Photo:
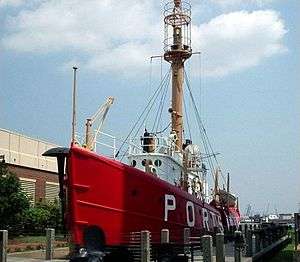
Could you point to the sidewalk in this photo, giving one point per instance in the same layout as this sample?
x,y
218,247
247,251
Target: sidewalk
x,y
37,256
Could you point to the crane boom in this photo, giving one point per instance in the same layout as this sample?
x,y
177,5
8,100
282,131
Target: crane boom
x,y
100,115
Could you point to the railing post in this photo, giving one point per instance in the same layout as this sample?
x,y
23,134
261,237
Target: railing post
x,y
238,243
253,244
3,245
249,244
145,246
207,248
220,249
165,236
50,237
186,240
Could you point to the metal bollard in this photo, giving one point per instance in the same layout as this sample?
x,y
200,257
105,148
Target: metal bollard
x,y
145,246
238,246
165,236
50,237
220,248
186,240
207,248
253,245
3,245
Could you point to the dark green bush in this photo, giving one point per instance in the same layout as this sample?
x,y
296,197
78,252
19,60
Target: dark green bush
x,y
16,214
13,202
41,216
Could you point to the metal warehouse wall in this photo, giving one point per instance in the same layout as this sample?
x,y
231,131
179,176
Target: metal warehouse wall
x,y
25,151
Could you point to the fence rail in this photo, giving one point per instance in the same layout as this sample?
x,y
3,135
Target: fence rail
x,y
140,247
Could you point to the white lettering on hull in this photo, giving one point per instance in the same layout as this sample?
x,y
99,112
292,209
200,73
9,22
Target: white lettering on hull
x,y
205,219
170,205
210,220
190,209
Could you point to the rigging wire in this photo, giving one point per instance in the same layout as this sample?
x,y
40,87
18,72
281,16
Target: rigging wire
x,y
162,131
206,141
150,103
166,80
187,119
158,116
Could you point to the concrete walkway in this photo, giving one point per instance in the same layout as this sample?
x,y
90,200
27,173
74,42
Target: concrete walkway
x,y
38,255
22,259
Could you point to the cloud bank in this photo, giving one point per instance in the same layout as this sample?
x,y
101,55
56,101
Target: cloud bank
x,y
114,36
239,40
231,3
5,3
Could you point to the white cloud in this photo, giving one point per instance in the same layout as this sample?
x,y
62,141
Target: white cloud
x,y
232,3
11,2
116,36
239,40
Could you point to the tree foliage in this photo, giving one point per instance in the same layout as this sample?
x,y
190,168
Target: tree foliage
x,y
13,202
41,216
16,213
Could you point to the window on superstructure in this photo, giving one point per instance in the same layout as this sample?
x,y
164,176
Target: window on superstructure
x,y
157,162
133,163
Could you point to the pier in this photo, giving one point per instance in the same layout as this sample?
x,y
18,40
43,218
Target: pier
x,y
248,245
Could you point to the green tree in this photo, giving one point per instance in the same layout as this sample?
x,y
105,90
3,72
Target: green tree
x,y
13,202
41,216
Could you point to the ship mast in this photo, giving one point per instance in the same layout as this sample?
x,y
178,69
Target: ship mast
x,y
177,48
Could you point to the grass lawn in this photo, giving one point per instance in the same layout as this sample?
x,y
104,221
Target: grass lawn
x,y
286,254
28,239
27,243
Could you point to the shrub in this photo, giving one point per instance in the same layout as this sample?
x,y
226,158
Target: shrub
x,y
13,202
41,216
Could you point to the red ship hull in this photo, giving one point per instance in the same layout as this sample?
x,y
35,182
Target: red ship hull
x,y
119,200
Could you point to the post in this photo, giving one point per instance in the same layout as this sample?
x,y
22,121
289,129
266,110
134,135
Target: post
x,y
50,236
253,245
145,246
220,249
238,244
165,236
249,244
3,245
207,248
186,239
74,105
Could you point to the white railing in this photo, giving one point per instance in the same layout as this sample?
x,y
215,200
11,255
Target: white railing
x,y
159,145
105,145
110,144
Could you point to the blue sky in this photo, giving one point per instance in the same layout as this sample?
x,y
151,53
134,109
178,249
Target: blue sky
x,y
249,81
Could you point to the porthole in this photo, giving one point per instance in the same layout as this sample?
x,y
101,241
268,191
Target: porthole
x,y
157,162
133,163
144,162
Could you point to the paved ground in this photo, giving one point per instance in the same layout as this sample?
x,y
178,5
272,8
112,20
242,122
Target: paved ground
x,y
22,259
37,256
60,253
